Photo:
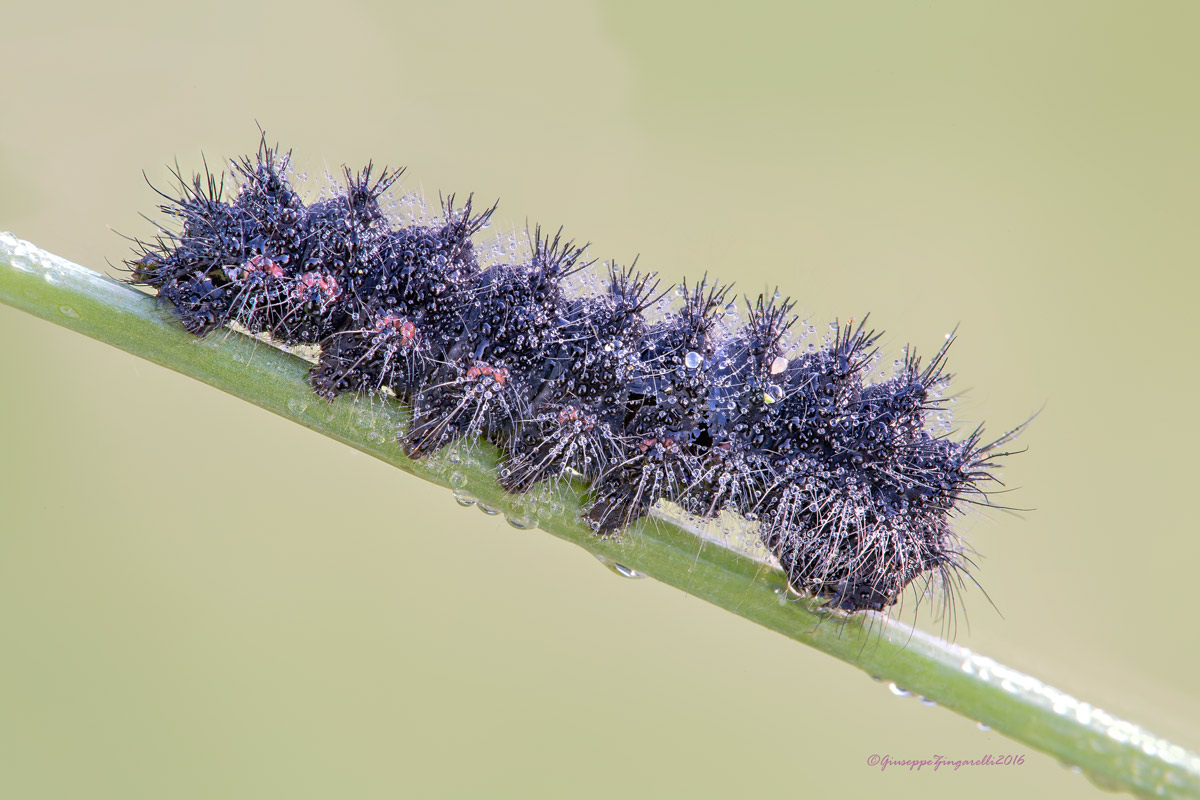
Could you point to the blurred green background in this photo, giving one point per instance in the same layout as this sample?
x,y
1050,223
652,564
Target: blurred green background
x,y
198,599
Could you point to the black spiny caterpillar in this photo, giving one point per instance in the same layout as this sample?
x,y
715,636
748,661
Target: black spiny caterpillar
x,y
852,492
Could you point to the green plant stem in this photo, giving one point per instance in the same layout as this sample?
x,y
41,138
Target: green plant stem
x,y
1113,753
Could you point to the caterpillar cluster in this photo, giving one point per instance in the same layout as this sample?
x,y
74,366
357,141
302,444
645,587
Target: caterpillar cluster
x,y
851,491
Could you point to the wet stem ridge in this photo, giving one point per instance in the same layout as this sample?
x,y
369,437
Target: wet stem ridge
x,y
1113,753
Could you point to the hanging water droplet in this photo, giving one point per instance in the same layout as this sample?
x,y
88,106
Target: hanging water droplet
x,y
983,727
463,499
896,690
491,512
620,569
1107,783
626,572
521,523
693,360
925,701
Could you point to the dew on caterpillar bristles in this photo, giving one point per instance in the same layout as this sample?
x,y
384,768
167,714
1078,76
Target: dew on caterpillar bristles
x,y
685,400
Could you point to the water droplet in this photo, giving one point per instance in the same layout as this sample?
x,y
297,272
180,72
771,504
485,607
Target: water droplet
x,y
489,510
626,572
69,312
772,394
693,360
925,701
454,455
620,569
457,480
983,727
1105,782
463,499
296,406
779,365
521,523
896,690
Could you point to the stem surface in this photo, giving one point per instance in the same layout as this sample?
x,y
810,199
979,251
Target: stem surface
x,y
1113,753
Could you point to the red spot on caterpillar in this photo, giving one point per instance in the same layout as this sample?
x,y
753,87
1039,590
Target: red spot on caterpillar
x,y
326,284
498,374
261,263
404,327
